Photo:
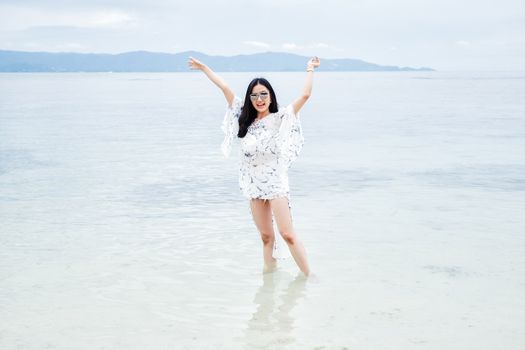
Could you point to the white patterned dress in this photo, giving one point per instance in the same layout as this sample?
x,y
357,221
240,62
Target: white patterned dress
x,y
266,152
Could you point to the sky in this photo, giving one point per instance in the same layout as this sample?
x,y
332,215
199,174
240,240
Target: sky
x,y
445,35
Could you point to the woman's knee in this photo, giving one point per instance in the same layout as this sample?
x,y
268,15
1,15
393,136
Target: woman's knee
x,y
267,237
288,236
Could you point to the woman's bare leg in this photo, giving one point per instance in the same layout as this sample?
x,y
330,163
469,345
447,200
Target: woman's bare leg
x,y
283,217
262,216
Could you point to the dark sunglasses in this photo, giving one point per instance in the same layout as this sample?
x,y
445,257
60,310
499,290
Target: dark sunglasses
x,y
263,95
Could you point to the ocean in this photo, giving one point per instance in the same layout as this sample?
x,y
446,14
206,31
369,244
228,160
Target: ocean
x,y
122,225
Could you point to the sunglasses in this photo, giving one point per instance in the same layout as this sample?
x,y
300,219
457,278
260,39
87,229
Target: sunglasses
x,y
263,95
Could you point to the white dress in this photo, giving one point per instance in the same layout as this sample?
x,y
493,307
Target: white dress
x,y
266,152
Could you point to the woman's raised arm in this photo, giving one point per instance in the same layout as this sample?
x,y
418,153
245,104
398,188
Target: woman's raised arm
x,y
307,91
228,93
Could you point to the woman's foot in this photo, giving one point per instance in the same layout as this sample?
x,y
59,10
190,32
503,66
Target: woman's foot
x,y
271,267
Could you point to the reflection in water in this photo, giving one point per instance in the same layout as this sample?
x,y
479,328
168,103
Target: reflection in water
x,y
271,324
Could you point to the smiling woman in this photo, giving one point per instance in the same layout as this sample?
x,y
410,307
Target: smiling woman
x,y
271,139
260,101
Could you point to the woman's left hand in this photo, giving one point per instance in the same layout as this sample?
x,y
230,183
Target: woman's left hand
x,y
314,62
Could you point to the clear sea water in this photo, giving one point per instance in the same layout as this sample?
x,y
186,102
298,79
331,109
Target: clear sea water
x,y
122,227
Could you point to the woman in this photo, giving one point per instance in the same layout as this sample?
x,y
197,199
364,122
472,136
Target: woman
x,y
270,139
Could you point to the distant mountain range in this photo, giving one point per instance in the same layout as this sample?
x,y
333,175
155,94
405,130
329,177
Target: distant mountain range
x,y
144,61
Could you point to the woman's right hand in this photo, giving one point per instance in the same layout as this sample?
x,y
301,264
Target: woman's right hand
x,y
195,64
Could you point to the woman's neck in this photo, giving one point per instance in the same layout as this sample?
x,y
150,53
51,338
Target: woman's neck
x,y
261,115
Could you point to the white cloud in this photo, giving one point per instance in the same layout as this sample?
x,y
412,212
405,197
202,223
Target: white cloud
x,y
291,46
22,18
320,46
256,43
462,43
108,19
71,46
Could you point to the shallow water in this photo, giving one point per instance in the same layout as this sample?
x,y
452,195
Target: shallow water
x,y
122,227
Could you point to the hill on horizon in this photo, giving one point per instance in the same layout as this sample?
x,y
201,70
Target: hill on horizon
x,y
145,61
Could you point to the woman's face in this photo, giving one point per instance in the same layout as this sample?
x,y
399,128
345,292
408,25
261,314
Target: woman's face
x,y
260,98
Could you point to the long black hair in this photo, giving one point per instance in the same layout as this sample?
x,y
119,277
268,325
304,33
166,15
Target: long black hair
x,y
249,113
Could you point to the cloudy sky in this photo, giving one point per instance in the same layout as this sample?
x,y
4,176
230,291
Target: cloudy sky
x,y
443,34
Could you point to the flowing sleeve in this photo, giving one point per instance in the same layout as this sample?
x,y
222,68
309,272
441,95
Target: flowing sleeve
x,y
230,125
291,137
